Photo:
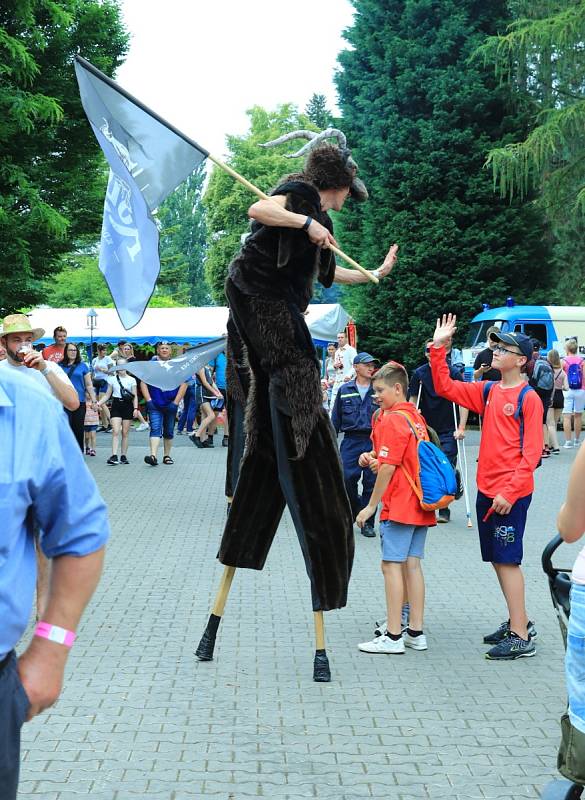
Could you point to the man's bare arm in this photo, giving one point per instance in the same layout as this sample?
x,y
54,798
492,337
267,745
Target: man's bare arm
x,y
353,276
274,214
571,519
42,665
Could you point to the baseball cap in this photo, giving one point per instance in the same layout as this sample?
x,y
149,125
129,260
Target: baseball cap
x,y
519,340
364,358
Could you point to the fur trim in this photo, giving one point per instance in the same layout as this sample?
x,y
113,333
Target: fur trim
x,y
289,359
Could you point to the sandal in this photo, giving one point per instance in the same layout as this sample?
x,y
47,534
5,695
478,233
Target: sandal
x,y
150,460
168,460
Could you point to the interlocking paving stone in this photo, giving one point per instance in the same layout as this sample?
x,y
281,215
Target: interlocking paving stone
x,y
141,717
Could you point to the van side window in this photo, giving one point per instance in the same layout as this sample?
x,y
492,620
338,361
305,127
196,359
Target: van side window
x,y
536,330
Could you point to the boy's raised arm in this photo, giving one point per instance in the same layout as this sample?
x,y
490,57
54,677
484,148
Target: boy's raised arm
x,y
469,395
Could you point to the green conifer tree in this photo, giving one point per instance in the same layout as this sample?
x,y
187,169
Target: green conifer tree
x,y
318,112
420,116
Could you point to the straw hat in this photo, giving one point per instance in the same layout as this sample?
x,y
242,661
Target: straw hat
x,y
20,323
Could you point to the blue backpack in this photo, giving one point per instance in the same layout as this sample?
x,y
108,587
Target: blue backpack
x,y
435,483
518,415
575,375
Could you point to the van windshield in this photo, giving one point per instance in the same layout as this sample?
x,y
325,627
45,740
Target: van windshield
x,y
477,333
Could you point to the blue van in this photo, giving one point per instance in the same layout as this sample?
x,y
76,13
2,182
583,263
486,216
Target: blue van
x,y
551,325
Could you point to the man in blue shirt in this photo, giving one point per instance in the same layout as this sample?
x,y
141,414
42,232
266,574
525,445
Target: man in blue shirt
x,y
162,408
352,414
44,483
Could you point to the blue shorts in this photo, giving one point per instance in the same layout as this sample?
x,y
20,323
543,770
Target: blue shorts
x,y
575,658
399,541
162,422
500,537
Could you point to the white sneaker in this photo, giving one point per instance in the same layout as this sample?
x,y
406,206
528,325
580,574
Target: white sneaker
x,y
383,644
381,627
144,426
567,445
416,642
576,442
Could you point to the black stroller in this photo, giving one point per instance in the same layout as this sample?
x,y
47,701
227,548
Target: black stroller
x,y
559,581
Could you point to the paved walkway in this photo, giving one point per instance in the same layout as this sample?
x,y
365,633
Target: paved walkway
x,y
140,717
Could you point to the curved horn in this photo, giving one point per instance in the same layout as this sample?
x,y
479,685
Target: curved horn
x,y
314,139
287,137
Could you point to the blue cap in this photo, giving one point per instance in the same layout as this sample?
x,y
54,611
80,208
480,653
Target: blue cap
x,y
520,340
364,358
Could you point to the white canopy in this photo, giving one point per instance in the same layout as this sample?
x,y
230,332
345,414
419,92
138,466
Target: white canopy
x,y
178,325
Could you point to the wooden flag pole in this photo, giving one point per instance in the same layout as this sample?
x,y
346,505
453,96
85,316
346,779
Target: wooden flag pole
x,y
263,196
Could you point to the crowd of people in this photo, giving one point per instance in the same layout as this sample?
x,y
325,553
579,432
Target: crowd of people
x,y
388,419
99,401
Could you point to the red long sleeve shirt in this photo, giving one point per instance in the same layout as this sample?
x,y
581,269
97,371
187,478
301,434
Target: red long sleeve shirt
x,y
502,468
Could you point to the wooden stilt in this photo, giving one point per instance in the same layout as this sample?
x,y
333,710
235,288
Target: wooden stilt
x,y
321,671
206,646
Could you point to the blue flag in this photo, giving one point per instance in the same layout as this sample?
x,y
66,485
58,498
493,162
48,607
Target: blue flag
x,y
148,159
168,375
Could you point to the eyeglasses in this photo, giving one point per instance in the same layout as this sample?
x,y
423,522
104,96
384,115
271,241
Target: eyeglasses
x,y
499,349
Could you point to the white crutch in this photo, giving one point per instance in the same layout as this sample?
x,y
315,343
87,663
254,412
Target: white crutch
x,y
462,458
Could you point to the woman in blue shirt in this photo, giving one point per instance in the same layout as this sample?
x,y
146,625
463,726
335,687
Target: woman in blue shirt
x,y
80,376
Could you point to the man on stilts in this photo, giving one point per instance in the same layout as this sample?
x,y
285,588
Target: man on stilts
x,y
290,455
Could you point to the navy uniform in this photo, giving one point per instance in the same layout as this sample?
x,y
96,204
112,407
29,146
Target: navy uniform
x,y
352,415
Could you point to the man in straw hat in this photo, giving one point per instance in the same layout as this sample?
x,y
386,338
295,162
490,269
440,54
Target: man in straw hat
x,y
17,337
291,455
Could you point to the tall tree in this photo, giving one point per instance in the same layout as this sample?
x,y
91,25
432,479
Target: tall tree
x,y
318,112
541,56
420,117
226,201
51,170
182,243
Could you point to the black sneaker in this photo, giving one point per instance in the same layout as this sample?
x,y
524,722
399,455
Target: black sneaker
x,y
512,647
112,461
196,440
504,630
124,460
207,443
225,442
444,515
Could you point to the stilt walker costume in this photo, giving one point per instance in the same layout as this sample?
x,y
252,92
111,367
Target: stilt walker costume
x,y
290,455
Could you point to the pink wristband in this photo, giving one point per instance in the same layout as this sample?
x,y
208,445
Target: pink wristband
x,y
55,634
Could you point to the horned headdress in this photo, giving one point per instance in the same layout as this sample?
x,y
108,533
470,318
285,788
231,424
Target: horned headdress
x,y
327,166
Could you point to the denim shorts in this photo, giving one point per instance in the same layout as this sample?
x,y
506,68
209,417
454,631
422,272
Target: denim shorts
x,y
162,422
399,541
500,537
575,658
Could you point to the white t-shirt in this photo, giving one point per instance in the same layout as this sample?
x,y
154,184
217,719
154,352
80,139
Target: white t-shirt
x,y
102,363
127,382
37,376
344,356
578,574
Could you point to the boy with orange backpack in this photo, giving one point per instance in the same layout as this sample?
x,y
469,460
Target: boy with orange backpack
x,y
510,451
403,520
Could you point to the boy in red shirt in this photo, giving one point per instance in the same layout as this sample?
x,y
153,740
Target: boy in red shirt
x,y
403,523
510,450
